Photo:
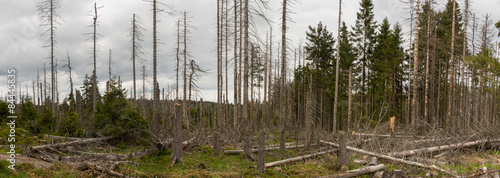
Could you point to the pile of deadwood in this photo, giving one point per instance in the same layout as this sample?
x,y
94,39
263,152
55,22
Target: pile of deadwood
x,y
78,153
399,148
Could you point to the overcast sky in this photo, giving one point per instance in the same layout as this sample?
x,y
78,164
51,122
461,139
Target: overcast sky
x,y
21,44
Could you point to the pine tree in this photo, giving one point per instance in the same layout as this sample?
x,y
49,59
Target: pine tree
x,y
364,37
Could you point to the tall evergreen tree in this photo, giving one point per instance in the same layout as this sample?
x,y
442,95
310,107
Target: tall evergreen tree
x,y
364,37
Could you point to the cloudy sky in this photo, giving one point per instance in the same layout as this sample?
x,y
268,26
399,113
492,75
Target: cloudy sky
x,y
21,44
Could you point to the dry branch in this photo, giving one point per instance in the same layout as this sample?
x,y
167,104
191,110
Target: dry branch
x,y
357,172
393,159
232,152
55,137
380,135
439,148
280,162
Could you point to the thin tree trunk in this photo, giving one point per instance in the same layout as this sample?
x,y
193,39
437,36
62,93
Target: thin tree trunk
x,y
349,106
216,148
178,60
426,95
464,53
451,90
134,55
248,145
184,101
334,128
94,76
283,77
235,101
415,69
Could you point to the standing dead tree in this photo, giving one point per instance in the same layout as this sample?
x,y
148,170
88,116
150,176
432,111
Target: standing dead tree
x,y
48,11
137,50
415,69
71,95
334,129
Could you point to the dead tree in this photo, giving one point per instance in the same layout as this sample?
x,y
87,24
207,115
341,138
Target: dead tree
x,y
216,146
70,77
177,144
415,69
283,76
196,72
248,144
137,50
426,95
452,68
235,83
334,129
48,11
184,52
178,60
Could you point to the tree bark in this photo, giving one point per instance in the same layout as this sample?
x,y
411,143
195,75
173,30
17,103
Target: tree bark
x,y
177,145
357,172
393,159
334,128
440,148
452,74
415,69
285,161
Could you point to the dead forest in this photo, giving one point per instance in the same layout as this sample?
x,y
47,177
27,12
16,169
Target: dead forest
x,y
372,100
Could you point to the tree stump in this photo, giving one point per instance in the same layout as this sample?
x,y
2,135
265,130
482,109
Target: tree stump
x,y
342,153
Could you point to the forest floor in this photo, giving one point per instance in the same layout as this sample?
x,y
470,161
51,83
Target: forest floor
x,y
200,162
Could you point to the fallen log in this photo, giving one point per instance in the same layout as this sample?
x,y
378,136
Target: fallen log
x,y
429,161
102,156
55,137
232,152
82,166
28,150
439,148
280,162
381,135
357,172
433,167
484,172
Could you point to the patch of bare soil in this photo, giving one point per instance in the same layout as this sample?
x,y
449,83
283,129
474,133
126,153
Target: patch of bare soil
x,y
20,159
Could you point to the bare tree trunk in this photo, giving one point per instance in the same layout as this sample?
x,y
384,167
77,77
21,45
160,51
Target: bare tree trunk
x,y
309,116
408,105
178,60
235,101
451,90
349,106
464,53
177,144
94,76
216,148
426,95
270,113
248,133
415,69
134,55
261,155
184,106
70,77
226,115
52,41
283,77
334,128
